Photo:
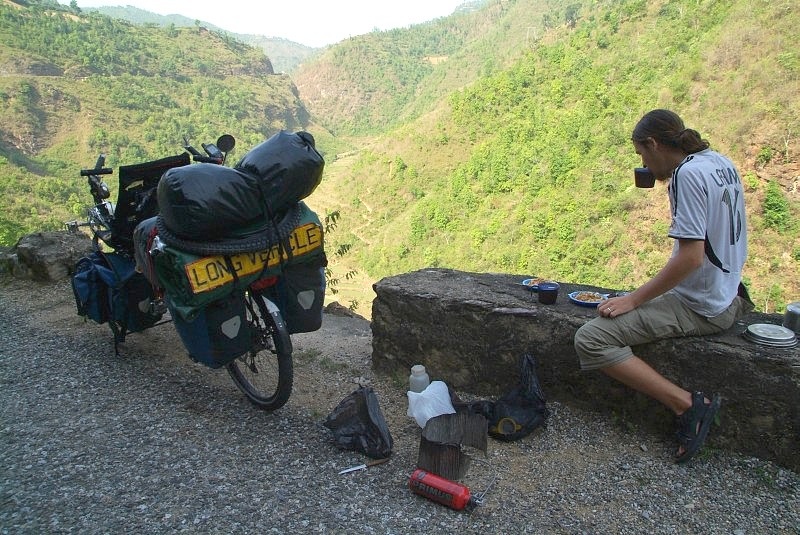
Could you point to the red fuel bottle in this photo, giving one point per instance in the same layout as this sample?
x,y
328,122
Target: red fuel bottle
x,y
441,490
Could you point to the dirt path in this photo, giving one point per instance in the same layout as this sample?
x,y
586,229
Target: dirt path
x,y
149,441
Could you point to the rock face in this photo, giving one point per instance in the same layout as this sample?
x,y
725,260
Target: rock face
x,y
46,256
470,329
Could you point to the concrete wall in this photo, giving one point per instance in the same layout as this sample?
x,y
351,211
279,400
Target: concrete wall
x,y
470,329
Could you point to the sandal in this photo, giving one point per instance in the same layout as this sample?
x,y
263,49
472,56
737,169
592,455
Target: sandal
x,y
694,424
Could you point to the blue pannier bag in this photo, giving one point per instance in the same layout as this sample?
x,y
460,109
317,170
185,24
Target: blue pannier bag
x,y
300,294
91,290
108,289
219,333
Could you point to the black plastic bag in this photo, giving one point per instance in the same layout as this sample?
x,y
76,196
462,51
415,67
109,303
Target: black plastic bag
x,y
358,424
206,201
288,168
523,409
517,413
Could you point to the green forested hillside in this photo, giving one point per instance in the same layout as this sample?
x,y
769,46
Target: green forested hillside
x,y
492,140
81,44
284,55
371,83
75,85
528,170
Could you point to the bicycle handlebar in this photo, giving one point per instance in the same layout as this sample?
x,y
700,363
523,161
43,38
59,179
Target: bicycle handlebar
x,y
216,152
97,171
211,158
98,168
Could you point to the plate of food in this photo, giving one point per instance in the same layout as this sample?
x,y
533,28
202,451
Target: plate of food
x,y
586,298
533,283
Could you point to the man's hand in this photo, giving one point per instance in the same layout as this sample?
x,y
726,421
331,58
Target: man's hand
x,y
688,258
615,306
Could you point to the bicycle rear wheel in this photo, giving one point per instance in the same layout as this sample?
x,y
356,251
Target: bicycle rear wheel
x,y
265,373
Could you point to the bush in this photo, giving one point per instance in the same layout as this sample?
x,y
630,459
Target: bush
x,y
750,181
776,208
764,156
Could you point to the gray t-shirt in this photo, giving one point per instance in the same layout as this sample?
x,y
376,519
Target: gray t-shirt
x,y
707,201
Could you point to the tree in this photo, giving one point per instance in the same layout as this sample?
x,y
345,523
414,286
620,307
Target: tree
x,y
571,15
332,282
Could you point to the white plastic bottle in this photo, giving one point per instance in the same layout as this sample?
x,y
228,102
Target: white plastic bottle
x,y
418,380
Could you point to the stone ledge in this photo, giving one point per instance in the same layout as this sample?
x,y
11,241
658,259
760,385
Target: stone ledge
x,y
469,330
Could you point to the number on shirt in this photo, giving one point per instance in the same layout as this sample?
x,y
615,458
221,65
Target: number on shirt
x,y
734,213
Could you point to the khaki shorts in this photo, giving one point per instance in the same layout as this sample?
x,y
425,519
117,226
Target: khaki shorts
x,y
604,342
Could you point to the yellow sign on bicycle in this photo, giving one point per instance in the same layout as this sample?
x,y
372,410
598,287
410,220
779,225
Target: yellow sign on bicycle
x,y
211,272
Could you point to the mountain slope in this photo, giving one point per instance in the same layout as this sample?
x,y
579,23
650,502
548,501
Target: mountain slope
x,y
370,82
285,55
529,170
492,140
70,91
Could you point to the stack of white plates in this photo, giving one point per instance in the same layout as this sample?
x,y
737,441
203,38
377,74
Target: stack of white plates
x,y
770,335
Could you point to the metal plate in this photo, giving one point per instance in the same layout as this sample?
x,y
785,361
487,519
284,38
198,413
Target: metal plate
x,y
769,332
779,345
771,335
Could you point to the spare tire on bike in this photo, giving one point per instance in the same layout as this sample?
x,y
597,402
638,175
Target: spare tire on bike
x,y
192,281
218,334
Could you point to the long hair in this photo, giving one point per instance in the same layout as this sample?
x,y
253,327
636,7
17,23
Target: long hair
x,y
667,128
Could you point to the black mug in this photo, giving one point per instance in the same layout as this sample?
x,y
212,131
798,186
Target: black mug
x,y
644,178
548,292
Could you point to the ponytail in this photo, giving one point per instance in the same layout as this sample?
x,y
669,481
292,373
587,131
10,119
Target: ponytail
x,y
667,128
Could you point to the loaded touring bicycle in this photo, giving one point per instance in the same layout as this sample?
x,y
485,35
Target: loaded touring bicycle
x,y
231,255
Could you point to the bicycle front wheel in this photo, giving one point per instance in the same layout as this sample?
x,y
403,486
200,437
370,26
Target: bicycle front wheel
x,y
265,373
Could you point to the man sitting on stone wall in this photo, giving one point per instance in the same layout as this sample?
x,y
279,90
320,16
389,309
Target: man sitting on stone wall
x,y
697,292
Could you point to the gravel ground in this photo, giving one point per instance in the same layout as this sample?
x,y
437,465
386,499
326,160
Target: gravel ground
x,y
149,442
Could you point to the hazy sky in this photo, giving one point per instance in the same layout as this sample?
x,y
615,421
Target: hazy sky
x,y
310,22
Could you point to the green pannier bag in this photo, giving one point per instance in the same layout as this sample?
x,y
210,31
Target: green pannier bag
x,y
192,281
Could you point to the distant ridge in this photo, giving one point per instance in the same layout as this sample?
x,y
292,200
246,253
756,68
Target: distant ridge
x,y
285,55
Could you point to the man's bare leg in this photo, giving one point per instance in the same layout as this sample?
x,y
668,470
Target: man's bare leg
x,y
637,374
